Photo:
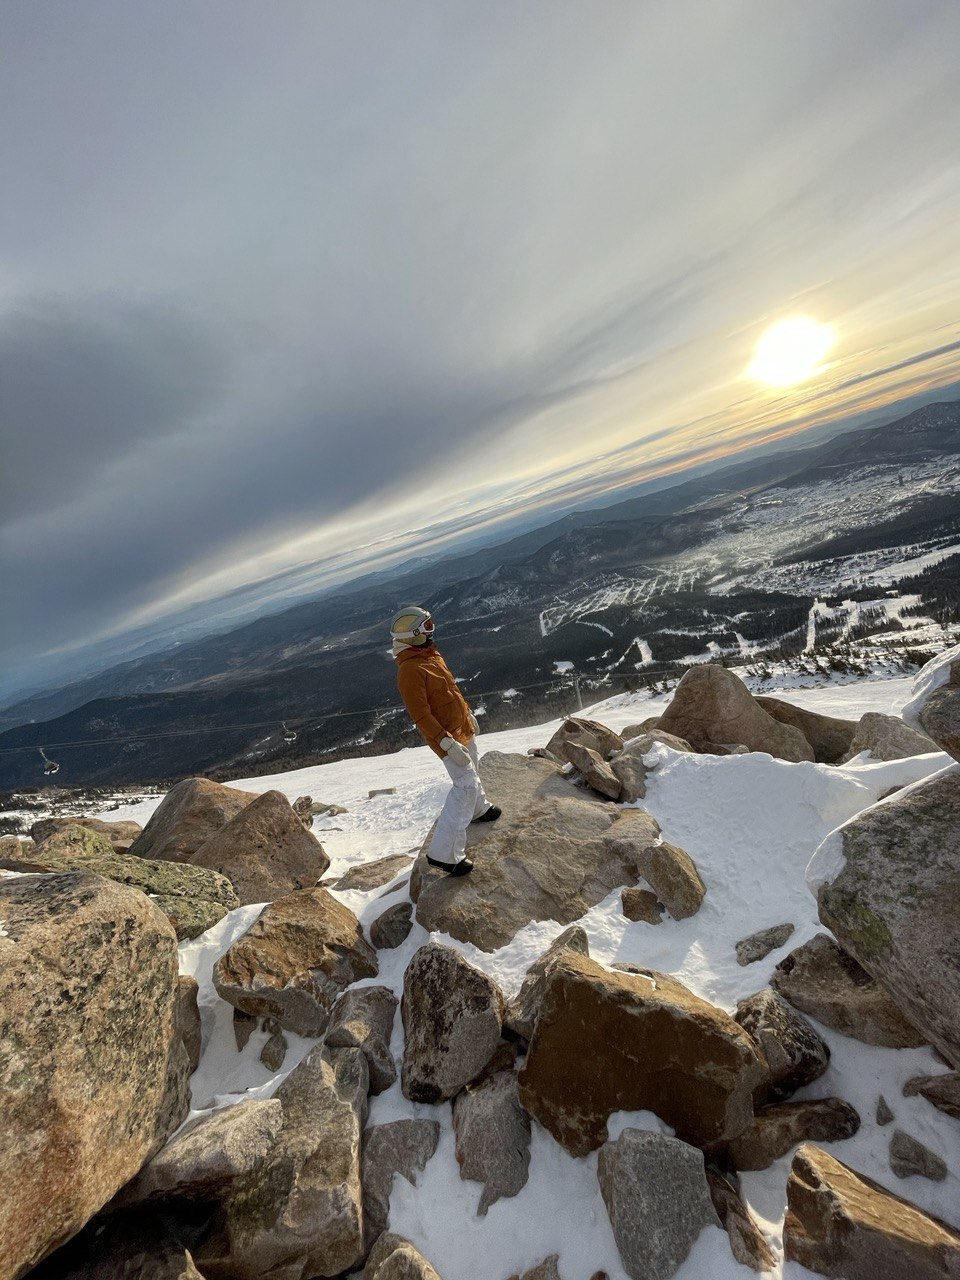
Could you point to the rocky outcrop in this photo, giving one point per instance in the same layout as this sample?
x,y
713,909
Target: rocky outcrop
x,y
521,1012
393,1258
120,835
452,1017
265,851
911,1159
629,768
205,1159
595,771
712,706
391,928
822,980
187,816
363,1018
656,1194
747,1242
934,708
829,736
193,898
611,1041
668,870
887,738
942,1092
893,905
492,1133
580,732
549,857
795,1052
777,1128
400,1147
371,875
295,960
93,1072
759,945
299,1214
842,1224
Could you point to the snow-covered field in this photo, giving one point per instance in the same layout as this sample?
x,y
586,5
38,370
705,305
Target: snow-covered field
x,y
751,824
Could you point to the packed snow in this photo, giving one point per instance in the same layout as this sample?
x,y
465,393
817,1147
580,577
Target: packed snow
x,y
751,824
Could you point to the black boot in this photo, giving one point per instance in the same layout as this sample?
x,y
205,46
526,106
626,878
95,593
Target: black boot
x,y
461,868
489,815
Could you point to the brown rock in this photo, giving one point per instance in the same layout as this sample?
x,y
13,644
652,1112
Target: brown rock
x,y
492,1133
610,1041
795,1052
295,960
265,851
363,1018
713,706
777,1128
137,1244
393,1258
93,1072
842,1224
274,1051
942,1091
820,979
188,1018
545,1270
371,875
596,773
187,817
747,1242
392,927
829,736
629,768
641,904
935,707
584,733
667,868
244,1025
521,1012
121,835
887,738
884,1115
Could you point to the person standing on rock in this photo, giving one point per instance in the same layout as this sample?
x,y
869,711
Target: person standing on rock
x,y
440,711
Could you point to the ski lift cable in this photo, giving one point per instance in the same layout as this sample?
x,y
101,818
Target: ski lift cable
x,y
267,724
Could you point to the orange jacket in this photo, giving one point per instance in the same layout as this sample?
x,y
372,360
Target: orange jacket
x,y
430,694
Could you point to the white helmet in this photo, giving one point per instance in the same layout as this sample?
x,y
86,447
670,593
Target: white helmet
x,y
412,625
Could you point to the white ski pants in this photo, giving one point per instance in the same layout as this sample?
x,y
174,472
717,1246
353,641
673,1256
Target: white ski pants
x,y
466,800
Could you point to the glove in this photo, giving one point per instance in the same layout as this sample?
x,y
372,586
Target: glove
x,y
455,752
473,722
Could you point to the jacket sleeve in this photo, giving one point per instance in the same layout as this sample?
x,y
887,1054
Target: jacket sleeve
x,y
414,694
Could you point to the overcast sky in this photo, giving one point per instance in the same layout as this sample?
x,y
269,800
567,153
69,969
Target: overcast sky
x,y
287,288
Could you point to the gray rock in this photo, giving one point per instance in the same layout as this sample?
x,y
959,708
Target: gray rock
x,y
393,1258
595,771
208,1156
392,928
299,1213
549,857
887,738
642,904
244,1025
942,1091
821,979
829,736
187,816
777,1128
910,1158
580,732
188,1021
493,1138
295,960
363,1018
401,1147
894,903
884,1115
371,875
794,1050
274,1051
712,706
452,1018
521,1012
120,835
94,1076
656,1193
747,1242
759,945
668,869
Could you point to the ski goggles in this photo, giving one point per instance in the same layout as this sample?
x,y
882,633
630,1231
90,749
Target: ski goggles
x,y
422,628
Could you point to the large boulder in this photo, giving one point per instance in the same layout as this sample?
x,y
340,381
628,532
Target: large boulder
x,y
580,732
595,771
893,903
121,835
667,869
794,1050
295,960
521,1012
829,736
94,1076
193,898
887,738
611,1041
265,851
843,1224
363,1019
782,1125
452,1018
299,1214
712,706
820,979
492,1133
548,857
207,1157
934,708
656,1193
187,816
400,1147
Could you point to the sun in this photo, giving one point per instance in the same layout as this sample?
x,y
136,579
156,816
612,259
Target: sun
x,y
791,351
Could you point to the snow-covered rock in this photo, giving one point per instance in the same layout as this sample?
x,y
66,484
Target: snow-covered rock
x,y
934,708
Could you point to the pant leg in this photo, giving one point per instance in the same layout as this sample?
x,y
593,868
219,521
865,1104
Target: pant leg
x,y
483,804
450,837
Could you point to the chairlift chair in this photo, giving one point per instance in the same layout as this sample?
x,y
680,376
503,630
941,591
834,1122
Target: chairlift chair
x,y
289,735
49,766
